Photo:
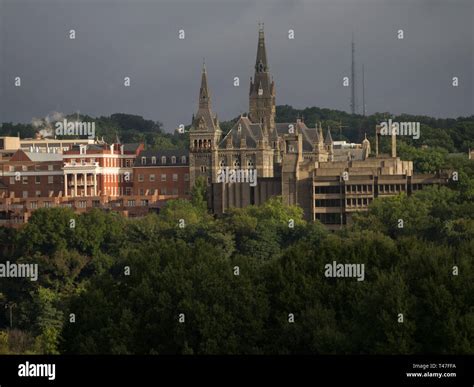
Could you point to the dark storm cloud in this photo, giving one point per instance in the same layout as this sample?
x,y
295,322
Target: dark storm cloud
x,y
139,39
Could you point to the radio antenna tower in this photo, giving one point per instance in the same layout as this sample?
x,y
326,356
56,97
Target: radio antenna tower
x,y
353,78
363,91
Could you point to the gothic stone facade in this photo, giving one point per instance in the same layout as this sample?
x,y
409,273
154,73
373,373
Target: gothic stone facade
x,y
286,156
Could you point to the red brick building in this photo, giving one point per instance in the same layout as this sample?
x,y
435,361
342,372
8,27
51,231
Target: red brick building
x,y
164,172
118,177
100,169
31,174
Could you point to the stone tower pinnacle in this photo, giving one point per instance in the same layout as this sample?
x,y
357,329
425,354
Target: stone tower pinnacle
x,y
262,88
204,96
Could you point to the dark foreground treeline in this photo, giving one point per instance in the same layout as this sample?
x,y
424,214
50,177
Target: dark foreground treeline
x,y
112,285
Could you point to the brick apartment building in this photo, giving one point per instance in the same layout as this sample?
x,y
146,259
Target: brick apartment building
x,y
119,177
30,174
100,169
167,172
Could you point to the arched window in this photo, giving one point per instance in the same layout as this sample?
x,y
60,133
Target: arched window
x,y
249,163
222,163
195,143
173,159
143,160
200,143
183,159
153,160
209,142
237,163
163,159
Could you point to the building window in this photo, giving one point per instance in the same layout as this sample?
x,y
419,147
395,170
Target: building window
x,y
175,177
131,203
38,194
25,179
163,160
12,180
152,177
37,179
222,163
33,205
153,160
142,191
237,163
140,177
24,168
50,167
183,159
11,168
128,191
173,159
82,204
50,179
186,177
143,160
25,194
47,204
163,177
203,168
175,191
163,191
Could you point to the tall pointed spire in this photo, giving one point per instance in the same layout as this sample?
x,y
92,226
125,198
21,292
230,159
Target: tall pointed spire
x,y
261,64
205,119
204,95
262,88
328,139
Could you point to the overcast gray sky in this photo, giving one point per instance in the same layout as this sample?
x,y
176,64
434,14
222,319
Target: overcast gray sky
x,y
139,39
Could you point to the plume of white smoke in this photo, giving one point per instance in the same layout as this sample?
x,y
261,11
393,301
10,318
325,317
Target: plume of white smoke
x,y
44,126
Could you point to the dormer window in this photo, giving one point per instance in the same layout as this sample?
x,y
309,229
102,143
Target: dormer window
x,y
143,160
163,160
173,159
183,159
153,160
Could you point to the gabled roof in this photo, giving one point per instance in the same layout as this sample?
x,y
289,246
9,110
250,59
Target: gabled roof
x,y
44,156
310,135
243,128
328,139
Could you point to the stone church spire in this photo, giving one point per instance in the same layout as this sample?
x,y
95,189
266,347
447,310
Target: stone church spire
x,y
261,64
205,119
262,88
204,96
